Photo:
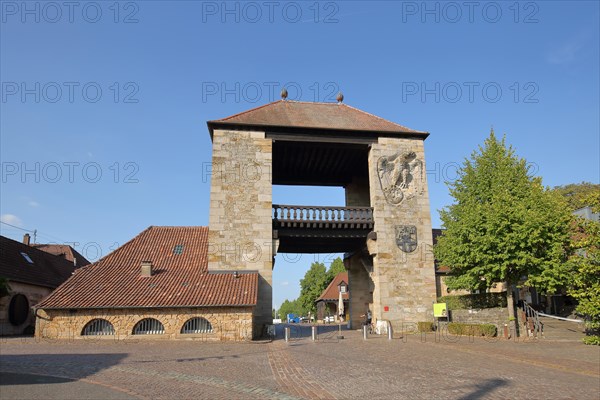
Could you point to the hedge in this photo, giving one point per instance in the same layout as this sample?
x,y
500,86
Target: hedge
x,y
457,328
469,301
425,326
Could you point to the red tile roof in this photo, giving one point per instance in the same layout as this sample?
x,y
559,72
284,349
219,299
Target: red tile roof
x,y
46,269
179,280
65,251
322,116
332,291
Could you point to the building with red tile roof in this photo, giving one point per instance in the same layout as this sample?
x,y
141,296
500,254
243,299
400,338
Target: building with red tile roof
x,y
65,251
31,275
157,283
328,301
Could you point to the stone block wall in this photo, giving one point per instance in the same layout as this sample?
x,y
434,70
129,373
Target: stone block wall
x,y
496,316
240,226
228,323
442,287
405,286
360,287
34,295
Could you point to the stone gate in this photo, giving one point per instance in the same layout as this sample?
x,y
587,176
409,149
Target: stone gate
x,y
384,229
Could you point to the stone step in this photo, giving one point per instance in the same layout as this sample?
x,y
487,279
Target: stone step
x,y
555,329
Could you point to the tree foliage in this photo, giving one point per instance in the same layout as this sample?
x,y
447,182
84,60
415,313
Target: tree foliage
x,y
579,195
503,225
336,267
584,264
316,279
585,272
290,307
312,285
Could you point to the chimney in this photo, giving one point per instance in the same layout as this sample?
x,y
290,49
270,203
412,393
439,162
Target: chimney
x,y
146,269
26,239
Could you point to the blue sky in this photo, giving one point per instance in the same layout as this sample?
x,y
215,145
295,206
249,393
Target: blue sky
x,y
105,104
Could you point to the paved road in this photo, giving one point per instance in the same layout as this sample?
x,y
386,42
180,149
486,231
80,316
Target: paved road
x,y
29,386
416,367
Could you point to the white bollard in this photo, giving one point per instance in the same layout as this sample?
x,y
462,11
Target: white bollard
x,y
286,331
365,332
314,333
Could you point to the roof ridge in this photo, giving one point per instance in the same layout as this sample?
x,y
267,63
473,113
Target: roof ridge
x,y
41,252
327,103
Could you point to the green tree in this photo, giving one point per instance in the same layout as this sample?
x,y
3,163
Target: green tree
x,y
289,307
585,274
312,285
503,225
579,195
336,267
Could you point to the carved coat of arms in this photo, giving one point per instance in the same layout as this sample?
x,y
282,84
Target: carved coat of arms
x,y
406,238
400,176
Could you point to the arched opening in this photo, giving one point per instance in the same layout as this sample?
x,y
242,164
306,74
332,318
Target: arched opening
x,y
197,325
149,326
18,309
98,326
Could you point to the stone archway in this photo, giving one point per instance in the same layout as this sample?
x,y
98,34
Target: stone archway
x,y
385,226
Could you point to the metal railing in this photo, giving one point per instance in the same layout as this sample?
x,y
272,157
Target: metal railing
x,y
532,320
149,326
197,325
289,216
98,327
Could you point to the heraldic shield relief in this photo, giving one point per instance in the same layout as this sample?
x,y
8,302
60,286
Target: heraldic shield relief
x,y
406,237
400,176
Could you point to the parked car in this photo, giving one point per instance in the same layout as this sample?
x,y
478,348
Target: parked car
x,y
328,319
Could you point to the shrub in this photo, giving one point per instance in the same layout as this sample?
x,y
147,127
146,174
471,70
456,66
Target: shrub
x,y
425,326
458,328
479,300
593,340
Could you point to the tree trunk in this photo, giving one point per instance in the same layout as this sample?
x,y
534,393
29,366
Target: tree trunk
x,y
510,304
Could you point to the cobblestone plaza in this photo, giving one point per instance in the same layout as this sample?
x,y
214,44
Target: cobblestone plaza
x,y
415,367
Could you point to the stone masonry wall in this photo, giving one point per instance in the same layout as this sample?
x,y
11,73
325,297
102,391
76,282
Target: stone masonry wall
x,y
404,281
240,228
34,294
228,323
360,288
359,282
497,316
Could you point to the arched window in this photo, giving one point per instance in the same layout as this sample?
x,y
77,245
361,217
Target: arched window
x,y
18,309
149,326
98,326
196,325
